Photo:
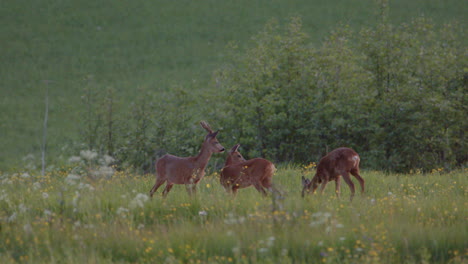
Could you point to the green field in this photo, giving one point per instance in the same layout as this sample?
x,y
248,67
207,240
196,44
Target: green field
x,y
158,63
67,46
66,218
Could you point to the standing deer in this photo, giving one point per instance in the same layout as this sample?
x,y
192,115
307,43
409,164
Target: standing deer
x,y
189,170
240,173
339,162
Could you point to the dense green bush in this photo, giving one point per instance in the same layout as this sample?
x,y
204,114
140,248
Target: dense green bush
x,y
396,94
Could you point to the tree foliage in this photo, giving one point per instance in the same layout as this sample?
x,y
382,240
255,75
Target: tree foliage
x,y
397,94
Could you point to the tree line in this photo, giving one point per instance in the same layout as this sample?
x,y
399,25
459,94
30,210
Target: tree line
x,y
397,94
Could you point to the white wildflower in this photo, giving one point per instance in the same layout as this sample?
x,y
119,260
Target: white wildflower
x,y
22,208
71,179
47,212
25,175
12,218
203,213
74,159
27,228
107,160
122,211
88,154
271,241
45,195
88,186
141,226
103,171
76,225
36,186
76,199
139,200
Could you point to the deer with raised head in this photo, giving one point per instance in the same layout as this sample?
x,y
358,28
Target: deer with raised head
x,y
337,163
187,170
240,173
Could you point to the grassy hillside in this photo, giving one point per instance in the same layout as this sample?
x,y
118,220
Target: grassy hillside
x,y
65,46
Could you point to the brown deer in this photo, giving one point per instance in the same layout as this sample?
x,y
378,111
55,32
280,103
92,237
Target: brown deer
x,y
339,162
189,170
240,173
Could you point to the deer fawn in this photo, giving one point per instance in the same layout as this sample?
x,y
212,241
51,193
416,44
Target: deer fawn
x,y
240,173
189,170
339,162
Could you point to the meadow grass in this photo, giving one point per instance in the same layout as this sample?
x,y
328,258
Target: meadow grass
x,y
61,218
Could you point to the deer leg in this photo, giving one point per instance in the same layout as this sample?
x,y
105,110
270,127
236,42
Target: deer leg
x,y
350,183
260,189
158,184
322,187
234,190
338,186
355,173
167,189
191,189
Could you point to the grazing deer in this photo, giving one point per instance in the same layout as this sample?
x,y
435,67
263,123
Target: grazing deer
x,y
339,162
240,173
189,170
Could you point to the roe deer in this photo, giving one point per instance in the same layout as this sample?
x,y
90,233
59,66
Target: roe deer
x,y
339,162
189,170
240,173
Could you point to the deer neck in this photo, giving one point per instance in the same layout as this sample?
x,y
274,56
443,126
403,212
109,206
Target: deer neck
x,y
202,158
228,161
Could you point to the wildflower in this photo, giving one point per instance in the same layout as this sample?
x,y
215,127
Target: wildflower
x,y
271,241
27,228
88,154
36,186
139,200
45,195
107,160
12,217
76,198
74,159
203,213
122,210
103,171
25,175
72,178
22,208
47,212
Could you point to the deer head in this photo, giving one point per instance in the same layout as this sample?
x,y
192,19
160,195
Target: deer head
x,y
234,156
309,184
211,143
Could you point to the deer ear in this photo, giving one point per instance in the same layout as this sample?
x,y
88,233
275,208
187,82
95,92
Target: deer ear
x,y
303,179
235,148
214,134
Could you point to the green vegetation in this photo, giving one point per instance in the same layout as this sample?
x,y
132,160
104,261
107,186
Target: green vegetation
x,y
78,214
165,53
128,81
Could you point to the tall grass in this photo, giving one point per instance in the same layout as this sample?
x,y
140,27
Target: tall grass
x,y
63,217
